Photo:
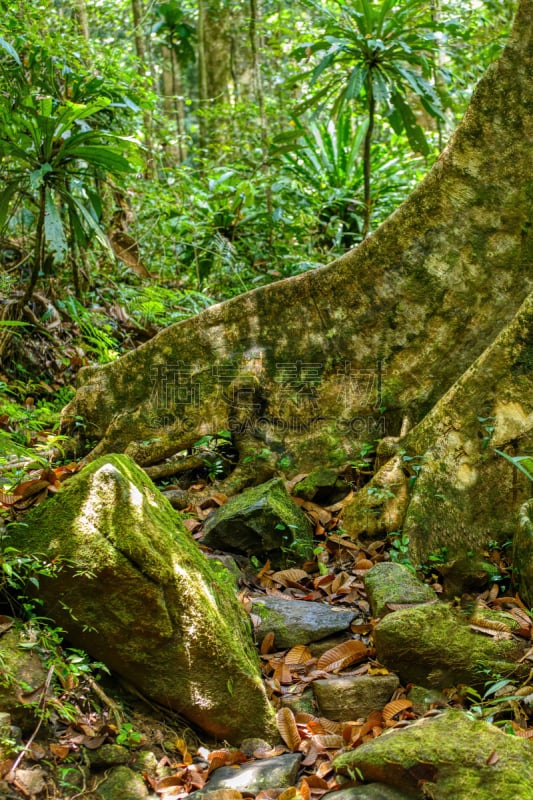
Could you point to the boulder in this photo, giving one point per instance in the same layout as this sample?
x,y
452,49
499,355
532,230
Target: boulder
x,y
263,521
349,697
135,592
433,646
298,621
451,756
389,584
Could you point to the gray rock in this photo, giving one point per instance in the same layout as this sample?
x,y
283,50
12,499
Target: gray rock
x,y
31,781
136,592
270,773
297,621
458,758
388,582
371,791
263,521
351,697
122,783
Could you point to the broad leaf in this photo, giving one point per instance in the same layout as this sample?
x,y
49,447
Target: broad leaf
x,y
10,50
54,230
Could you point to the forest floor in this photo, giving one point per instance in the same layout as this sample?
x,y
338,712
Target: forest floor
x,y
82,710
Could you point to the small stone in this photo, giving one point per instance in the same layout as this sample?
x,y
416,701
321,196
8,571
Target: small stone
x,y
424,699
352,697
249,746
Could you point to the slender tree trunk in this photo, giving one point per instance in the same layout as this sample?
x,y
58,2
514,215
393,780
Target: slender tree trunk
x,y
138,14
214,68
258,86
39,250
83,18
367,159
203,94
177,100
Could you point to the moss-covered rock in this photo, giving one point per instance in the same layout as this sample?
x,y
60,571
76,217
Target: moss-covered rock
x,y
433,645
21,673
263,521
121,783
136,593
456,757
323,484
388,583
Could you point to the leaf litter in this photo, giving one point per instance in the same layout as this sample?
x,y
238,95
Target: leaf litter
x,y
334,577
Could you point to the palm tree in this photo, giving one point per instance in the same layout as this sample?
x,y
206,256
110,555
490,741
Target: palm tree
x,y
381,51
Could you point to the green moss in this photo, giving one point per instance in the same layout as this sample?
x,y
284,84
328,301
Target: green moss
x,y
433,646
453,754
138,594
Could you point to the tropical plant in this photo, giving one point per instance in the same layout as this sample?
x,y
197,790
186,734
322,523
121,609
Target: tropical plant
x,y
178,35
384,53
325,161
53,159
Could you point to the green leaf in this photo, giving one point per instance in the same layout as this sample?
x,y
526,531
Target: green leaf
x,y
328,59
523,463
10,50
5,199
406,119
104,156
71,112
355,82
37,176
495,687
46,105
92,224
54,230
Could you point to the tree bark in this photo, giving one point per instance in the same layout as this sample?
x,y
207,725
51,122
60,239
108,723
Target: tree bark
x,y
304,371
138,14
214,66
83,18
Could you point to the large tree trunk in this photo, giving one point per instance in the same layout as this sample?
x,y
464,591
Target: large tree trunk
x,y
306,370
